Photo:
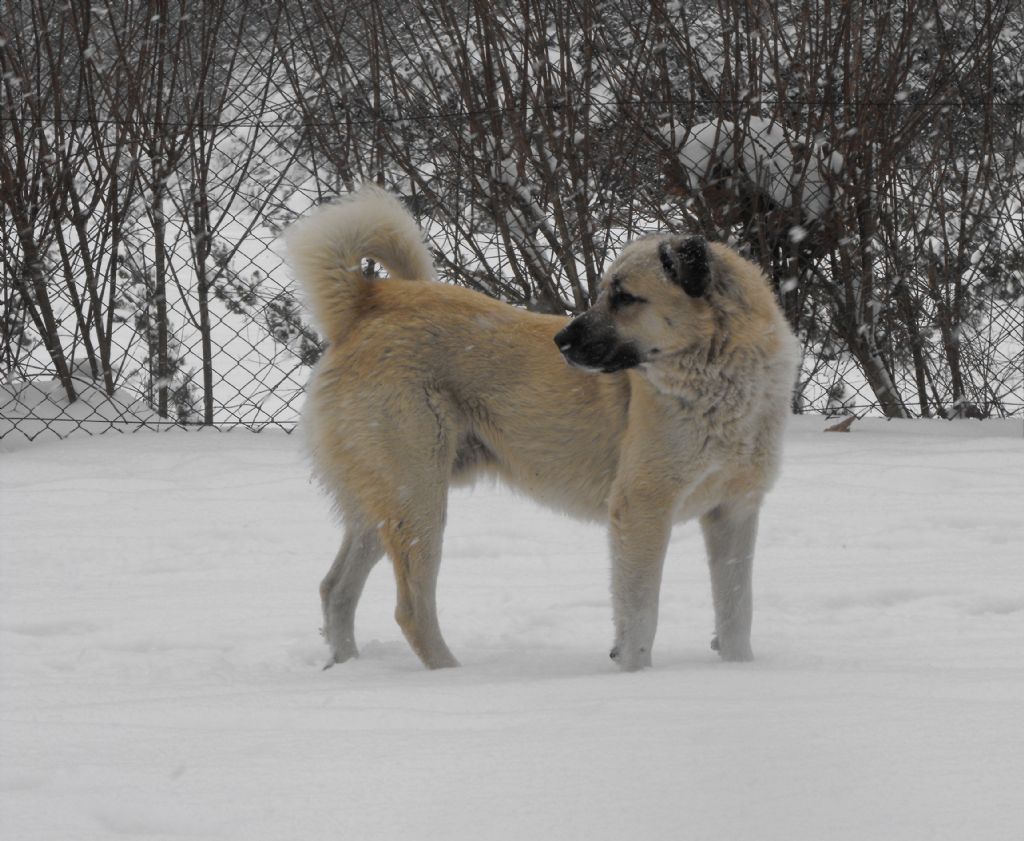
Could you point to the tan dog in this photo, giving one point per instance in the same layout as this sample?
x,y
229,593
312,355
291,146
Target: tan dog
x,y
672,407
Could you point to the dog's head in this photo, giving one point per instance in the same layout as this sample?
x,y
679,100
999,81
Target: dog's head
x,y
653,302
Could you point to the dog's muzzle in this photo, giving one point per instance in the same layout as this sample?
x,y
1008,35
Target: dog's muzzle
x,y
587,346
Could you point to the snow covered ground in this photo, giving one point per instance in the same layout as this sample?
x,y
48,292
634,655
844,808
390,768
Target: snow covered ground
x,y
160,664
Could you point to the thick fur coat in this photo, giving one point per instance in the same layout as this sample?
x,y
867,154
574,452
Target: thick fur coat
x,y
664,402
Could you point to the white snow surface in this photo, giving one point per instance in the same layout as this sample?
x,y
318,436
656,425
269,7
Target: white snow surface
x,y
160,667
39,409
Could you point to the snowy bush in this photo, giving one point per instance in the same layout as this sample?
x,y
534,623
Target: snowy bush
x,y
869,160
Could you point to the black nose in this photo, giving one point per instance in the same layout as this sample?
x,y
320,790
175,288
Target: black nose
x,y
567,336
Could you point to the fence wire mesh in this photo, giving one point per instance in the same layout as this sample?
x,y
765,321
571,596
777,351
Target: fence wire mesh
x,y
144,280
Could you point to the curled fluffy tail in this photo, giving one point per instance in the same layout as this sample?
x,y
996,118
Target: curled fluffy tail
x,y
326,249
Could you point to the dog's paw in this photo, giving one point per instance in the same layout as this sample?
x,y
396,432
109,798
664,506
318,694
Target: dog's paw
x,y
733,651
631,661
341,656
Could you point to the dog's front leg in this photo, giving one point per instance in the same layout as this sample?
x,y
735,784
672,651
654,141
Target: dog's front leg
x,y
640,528
729,534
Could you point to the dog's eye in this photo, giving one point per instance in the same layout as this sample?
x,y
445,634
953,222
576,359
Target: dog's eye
x,y
623,299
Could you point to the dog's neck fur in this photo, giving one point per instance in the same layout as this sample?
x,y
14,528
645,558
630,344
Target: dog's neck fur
x,y
703,379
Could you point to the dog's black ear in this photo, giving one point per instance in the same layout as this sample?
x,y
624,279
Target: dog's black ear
x,y
686,264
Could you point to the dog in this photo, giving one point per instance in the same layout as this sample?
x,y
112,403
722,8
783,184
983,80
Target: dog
x,y
666,401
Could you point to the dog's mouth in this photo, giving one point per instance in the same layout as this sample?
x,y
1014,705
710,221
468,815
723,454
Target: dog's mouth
x,y
601,359
590,369
591,344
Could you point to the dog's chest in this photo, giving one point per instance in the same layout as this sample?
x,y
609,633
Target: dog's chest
x,y
716,469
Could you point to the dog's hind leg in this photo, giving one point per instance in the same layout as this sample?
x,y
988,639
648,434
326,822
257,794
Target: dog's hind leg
x,y
343,585
414,544
729,534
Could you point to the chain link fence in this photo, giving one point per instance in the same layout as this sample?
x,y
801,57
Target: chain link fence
x,y
144,282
